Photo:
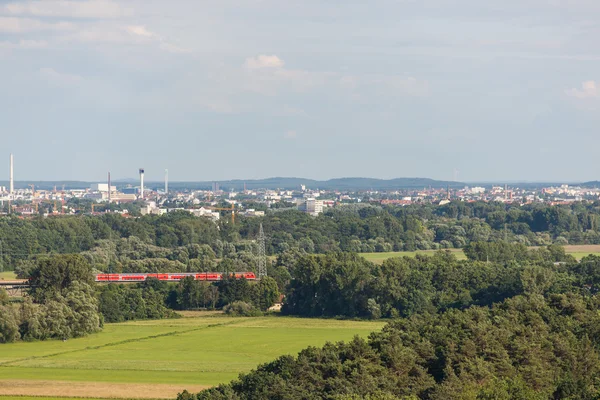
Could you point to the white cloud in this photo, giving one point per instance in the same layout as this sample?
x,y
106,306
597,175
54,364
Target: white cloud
x,y
264,61
71,9
140,31
52,76
24,44
25,25
171,48
589,89
291,135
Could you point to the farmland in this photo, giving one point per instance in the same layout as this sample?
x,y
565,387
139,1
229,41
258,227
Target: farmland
x,y
577,251
152,359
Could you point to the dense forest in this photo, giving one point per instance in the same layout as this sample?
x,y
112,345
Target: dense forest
x,y
179,241
525,327
527,347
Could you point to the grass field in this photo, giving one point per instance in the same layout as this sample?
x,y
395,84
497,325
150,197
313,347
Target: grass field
x,y
577,251
378,258
7,275
160,358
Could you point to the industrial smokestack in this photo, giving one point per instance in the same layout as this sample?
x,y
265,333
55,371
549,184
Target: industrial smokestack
x,y
166,181
12,178
109,190
141,183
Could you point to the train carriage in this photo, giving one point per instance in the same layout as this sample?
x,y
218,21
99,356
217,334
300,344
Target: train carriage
x,y
170,277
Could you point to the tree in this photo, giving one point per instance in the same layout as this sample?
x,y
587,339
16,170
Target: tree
x,y
53,274
9,326
4,299
84,318
189,294
266,293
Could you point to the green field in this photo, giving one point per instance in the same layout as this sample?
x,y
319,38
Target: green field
x,y
378,258
187,352
7,275
577,251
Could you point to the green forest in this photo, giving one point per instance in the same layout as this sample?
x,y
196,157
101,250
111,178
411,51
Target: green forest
x,y
524,328
178,241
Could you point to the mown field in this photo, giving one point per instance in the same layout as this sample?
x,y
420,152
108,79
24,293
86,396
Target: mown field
x,y
577,251
7,275
158,359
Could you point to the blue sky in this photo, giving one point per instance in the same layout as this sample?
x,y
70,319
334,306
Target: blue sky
x,y
227,89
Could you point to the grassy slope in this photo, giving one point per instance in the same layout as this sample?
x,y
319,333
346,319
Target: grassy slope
x,y
7,275
202,351
576,251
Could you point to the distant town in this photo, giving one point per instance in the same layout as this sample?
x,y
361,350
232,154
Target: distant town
x,y
217,201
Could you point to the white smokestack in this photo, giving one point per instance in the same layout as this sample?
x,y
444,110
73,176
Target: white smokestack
x,y
141,183
166,181
12,178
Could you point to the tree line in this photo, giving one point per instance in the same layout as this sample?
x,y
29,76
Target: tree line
x,y
194,243
345,284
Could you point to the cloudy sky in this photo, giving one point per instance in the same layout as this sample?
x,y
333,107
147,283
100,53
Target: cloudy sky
x,y
212,90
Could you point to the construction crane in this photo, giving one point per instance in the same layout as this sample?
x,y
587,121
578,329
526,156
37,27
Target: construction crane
x,y
225,209
95,205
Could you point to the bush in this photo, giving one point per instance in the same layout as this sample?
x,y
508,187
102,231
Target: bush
x,y
4,299
241,309
9,326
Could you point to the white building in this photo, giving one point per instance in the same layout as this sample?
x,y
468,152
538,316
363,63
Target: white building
x,y
102,187
477,190
311,206
151,209
203,212
253,213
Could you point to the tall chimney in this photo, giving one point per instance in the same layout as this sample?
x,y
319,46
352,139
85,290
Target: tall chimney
x,y
141,183
166,181
109,190
12,178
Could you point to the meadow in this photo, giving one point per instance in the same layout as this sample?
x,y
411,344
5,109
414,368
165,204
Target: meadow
x,y
577,251
158,359
7,275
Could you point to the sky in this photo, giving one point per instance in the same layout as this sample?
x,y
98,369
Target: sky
x,y
245,89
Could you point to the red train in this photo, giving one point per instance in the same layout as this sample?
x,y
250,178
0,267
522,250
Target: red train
x,y
171,277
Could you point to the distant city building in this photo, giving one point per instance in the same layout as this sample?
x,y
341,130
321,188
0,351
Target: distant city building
x,y
311,206
253,213
203,212
102,187
130,190
151,209
123,197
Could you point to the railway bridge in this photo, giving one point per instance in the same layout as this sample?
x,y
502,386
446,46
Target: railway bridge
x,y
15,287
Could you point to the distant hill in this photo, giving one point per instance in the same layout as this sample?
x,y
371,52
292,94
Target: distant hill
x,y
350,184
331,184
49,185
591,184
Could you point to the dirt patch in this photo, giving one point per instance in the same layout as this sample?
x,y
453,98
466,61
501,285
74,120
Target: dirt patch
x,y
584,248
14,387
200,314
